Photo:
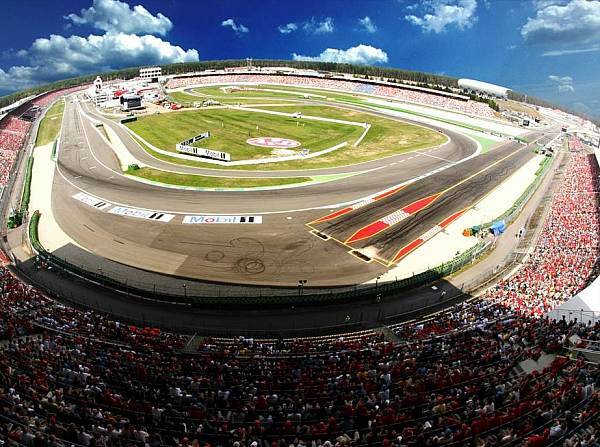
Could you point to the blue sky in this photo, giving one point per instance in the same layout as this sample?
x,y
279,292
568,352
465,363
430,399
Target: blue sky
x,y
547,48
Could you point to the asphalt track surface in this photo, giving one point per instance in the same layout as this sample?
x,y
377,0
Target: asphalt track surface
x,y
456,190
127,191
278,252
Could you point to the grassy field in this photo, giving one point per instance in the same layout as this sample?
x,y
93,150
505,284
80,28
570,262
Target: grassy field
x,y
216,92
50,125
203,181
385,138
231,128
231,99
266,94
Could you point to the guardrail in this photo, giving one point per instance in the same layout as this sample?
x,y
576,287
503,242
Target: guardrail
x,y
513,211
17,218
54,147
378,291
26,195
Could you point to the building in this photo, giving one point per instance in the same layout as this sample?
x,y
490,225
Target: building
x,y
482,88
98,83
100,97
131,102
151,73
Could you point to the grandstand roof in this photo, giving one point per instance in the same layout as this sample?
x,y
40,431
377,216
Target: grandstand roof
x,y
483,87
5,110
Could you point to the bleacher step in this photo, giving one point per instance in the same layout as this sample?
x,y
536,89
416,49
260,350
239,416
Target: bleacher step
x,y
389,334
530,365
191,347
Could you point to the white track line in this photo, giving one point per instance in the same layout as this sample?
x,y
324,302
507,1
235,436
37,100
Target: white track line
x,y
435,156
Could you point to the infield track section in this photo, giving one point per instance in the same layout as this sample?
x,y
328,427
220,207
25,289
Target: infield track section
x,y
95,170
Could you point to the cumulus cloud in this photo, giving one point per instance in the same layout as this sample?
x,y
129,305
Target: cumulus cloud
x,y
117,16
287,28
566,25
438,15
367,24
314,26
552,53
310,26
563,83
360,54
58,57
238,28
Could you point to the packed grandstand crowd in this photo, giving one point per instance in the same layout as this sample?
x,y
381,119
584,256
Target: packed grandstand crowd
x,y
14,130
404,94
77,377
567,252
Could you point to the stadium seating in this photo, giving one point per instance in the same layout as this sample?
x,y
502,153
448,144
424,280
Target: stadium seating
x,y
418,97
575,144
566,254
13,131
78,377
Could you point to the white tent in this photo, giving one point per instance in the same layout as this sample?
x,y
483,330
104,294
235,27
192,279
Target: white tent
x,y
585,306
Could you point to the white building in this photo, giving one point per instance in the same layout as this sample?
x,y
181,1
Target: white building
x,y
100,96
98,83
150,73
483,88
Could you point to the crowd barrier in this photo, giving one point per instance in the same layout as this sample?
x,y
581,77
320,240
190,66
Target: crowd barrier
x,y
514,211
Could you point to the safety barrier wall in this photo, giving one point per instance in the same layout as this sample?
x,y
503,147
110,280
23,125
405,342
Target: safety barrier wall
x,y
514,211
16,219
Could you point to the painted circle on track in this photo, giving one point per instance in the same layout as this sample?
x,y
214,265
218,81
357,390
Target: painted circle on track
x,y
273,142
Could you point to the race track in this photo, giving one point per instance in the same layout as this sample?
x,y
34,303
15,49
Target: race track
x,y
282,249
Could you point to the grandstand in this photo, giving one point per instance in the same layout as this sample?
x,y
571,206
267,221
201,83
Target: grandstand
x,y
431,98
15,127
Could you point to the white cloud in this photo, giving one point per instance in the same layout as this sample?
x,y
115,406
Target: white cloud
x,y
117,16
573,51
563,83
238,28
367,24
360,54
539,4
566,88
574,23
440,14
58,57
324,26
287,28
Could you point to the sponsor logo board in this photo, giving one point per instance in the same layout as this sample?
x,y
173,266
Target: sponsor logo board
x,y
210,220
142,214
91,201
201,152
202,136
